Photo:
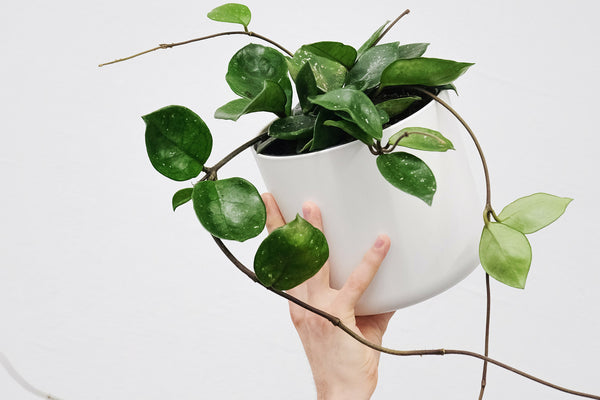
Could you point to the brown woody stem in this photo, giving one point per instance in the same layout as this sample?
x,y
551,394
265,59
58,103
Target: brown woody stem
x,y
170,45
487,334
338,323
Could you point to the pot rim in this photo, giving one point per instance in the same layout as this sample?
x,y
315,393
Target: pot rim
x,y
340,147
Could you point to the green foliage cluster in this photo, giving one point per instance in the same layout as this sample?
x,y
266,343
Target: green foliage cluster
x,y
344,94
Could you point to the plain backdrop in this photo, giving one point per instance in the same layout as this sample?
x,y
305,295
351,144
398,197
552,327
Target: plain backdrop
x,y
105,293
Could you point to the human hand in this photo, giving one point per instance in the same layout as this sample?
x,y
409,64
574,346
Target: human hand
x,y
342,367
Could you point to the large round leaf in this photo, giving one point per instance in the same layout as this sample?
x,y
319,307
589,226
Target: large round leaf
x,y
229,208
290,255
532,213
254,64
409,174
178,142
505,254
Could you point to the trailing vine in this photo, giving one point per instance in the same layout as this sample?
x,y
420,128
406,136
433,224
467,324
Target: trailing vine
x,y
342,98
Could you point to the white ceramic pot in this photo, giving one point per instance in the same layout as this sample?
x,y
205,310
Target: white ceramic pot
x,y
433,247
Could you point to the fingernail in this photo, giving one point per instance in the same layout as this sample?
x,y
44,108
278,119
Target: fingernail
x,y
378,243
306,211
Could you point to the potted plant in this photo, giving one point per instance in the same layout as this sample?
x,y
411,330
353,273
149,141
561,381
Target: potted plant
x,y
368,103
360,106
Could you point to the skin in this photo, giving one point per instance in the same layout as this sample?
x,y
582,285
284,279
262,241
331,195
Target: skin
x,y
342,368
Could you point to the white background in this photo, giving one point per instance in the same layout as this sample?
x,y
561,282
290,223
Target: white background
x,y
105,293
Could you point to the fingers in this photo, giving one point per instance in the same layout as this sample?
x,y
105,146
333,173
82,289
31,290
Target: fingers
x,y
274,217
361,277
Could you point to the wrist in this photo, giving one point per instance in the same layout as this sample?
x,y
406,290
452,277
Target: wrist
x,y
328,392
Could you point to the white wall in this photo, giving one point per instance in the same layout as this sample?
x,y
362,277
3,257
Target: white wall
x,y
107,294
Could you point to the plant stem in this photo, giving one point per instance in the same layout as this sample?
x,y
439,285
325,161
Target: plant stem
x,y
488,187
170,45
237,151
390,27
338,323
487,334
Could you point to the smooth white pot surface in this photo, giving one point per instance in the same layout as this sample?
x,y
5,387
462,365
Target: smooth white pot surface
x,y
433,248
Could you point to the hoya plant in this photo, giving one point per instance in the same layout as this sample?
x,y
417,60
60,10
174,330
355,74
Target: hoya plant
x,y
342,94
323,95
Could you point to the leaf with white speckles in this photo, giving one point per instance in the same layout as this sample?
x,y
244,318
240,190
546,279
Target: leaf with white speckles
x,y
408,173
178,142
229,208
233,13
290,255
358,106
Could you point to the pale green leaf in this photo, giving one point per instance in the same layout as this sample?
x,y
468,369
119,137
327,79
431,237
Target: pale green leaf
x,y
532,213
505,254
231,12
421,139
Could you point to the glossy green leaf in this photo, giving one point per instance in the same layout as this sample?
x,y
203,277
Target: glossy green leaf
x,y
384,118
231,12
328,74
397,106
293,127
422,139
366,73
325,136
372,39
290,255
178,142
356,104
409,174
350,128
252,66
335,51
229,208
422,71
272,99
306,86
505,254
181,197
532,213
412,50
